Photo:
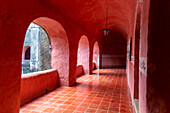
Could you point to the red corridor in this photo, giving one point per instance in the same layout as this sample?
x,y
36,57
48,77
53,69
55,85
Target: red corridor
x,y
104,91
50,49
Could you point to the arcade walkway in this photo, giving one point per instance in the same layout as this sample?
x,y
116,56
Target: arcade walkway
x,y
106,92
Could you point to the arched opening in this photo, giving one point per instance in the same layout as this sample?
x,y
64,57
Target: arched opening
x,y
96,54
27,54
49,50
83,56
59,47
36,50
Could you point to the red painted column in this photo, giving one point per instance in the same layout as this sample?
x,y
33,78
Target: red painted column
x,y
10,67
158,73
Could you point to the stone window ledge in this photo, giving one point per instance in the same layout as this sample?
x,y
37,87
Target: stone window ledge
x,y
34,74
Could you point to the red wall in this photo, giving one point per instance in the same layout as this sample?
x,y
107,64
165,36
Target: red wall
x,y
130,75
31,84
131,65
154,81
143,54
114,50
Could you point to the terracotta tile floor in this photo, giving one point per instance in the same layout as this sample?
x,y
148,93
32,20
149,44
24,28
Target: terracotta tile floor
x,y
105,91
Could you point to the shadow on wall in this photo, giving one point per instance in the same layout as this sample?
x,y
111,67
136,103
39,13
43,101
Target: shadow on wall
x,y
79,71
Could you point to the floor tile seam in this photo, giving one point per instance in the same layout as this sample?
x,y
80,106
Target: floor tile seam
x,y
29,106
131,106
64,94
93,99
65,100
45,107
79,96
100,103
61,97
120,92
112,96
70,104
82,101
60,109
30,110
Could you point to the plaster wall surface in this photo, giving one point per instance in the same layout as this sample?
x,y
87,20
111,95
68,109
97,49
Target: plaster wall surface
x,y
32,87
142,55
130,75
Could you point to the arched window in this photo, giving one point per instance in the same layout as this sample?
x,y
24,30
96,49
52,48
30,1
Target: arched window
x,y
36,51
27,53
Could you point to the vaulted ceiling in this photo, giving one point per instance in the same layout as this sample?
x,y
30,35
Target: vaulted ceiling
x,y
92,13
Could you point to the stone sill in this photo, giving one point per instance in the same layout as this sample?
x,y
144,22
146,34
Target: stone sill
x,y
34,74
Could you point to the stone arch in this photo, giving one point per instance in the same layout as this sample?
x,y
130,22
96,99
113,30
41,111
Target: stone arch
x,y
38,52
59,47
83,53
96,55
